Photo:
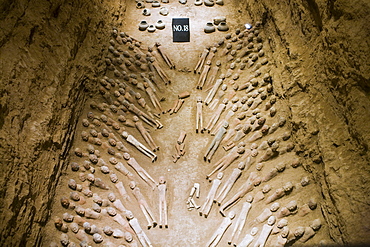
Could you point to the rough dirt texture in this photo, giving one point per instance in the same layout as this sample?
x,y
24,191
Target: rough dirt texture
x,y
51,54
50,51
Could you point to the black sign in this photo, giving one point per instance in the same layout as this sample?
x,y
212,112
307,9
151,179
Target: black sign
x,y
181,29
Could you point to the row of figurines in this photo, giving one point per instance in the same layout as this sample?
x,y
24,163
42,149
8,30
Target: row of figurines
x,y
155,4
252,36
96,213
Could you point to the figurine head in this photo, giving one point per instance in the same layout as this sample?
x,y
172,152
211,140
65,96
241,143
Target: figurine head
x,y
220,175
126,156
249,198
124,134
162,180
132,185
254,231
271,220
274,207
231,215
241,165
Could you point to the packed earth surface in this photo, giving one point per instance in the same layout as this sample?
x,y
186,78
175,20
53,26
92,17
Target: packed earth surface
x,y
289,97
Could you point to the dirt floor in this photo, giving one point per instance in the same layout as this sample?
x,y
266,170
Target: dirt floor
x,y
186,227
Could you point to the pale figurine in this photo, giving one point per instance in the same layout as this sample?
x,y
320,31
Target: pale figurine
x,y
225,161
213,91
227,118
244,189
164,55
203,75
132,140
212,74
265,233
201,60
216,142
234,176
144,206
121,168
154,66
134,223
122,191
216,115
123,222
140,170
199,116
162,188
239,224
247,240
145,134
207,205
153,98
217,235
220,94
145,117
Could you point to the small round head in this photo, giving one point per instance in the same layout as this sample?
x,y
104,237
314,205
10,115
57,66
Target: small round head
x,y
274,207
223,87
241,165
129,215
199,99
285,232
126,156
124,134
111,197
231,215
132,185
128,237
234,108
220,175
271,220
162,180
254,231
249,198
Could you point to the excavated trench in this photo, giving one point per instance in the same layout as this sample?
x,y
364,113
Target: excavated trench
x,y
297,93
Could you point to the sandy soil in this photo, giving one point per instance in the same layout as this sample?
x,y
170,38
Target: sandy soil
x,y
186,227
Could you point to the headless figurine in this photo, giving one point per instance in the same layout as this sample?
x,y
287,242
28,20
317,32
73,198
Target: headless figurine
x,y
206,208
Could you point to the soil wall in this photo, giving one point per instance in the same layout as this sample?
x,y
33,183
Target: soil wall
x,y
320,54
50,55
